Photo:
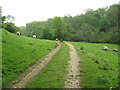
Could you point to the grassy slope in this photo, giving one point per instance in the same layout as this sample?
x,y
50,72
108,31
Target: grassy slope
x,y
53,76
19,52
99,68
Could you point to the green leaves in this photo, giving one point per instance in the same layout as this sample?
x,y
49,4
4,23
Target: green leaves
x,y
93,26
10,27
58,27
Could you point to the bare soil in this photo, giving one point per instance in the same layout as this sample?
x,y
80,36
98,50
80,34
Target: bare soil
x,y
73,77
34,69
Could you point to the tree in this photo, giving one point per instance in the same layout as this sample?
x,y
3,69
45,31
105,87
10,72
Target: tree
x,y
22,30
46,34
36,28
112,14
10,19
8,24
93,26
10,27
88,32
0,16
104,24
3,19
58,28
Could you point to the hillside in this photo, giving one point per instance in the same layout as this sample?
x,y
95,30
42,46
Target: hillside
x,y
69,46
19,52
99,67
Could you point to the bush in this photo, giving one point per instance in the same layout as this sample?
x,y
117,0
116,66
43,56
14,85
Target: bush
x,y
10,27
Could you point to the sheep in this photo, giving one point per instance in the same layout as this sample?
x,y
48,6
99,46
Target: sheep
x,y
18,33
61,40
110,88
115,50
56,39
105,48
34,36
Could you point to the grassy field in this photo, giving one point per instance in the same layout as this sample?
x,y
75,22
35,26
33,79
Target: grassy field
x,y
53,75
19,52
99,68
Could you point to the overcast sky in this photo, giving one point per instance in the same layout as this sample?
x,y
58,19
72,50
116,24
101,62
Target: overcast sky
x,y
26,11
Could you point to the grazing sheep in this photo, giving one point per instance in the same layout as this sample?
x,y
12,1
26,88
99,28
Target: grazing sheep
x,y
115,50
110,88
18,33
105,48
61,40
34,36
56,39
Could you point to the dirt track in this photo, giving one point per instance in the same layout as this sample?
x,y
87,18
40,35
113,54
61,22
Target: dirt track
x,y
34,69
72,79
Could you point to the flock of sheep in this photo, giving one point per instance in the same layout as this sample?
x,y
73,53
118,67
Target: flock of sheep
x,y
103,48
34,36
18,33
106,49
59,40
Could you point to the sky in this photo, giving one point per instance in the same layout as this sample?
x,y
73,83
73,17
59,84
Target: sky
x,y
26,11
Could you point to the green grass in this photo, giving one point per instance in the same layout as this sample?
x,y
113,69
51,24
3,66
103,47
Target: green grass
x,y
19,52
99,68
53,75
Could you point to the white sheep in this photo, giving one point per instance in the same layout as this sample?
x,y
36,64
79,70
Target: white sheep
x,y
61,40
56,39
105,48
115,50
18,33
34,36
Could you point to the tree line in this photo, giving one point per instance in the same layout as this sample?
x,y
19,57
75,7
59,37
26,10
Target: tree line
x,y
7,23
99,25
